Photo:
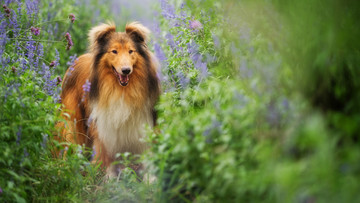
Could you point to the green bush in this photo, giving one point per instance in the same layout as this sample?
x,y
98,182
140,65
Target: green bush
x,y
261,125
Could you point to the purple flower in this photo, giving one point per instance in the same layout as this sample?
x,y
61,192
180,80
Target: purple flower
x,y
86,89
183,80
72,17
216,41
55,62
88,123
202,67
168,11
35,31
1,191
59,80
195,25
32,7
214,128
18,135
69,41
170,41
52,63
93,153
26,153
159,53
86,86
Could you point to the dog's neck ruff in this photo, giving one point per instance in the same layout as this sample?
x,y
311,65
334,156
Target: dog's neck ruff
x,y
121,127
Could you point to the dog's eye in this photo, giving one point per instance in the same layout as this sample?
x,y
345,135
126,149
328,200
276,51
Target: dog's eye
x,y
131,51
114,51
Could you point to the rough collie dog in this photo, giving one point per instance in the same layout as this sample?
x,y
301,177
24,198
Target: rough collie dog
x,y
109,94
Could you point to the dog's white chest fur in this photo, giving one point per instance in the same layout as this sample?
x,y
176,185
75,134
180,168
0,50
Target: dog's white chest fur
x,y
121,127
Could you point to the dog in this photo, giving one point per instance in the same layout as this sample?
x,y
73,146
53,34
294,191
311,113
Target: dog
x,y
109,94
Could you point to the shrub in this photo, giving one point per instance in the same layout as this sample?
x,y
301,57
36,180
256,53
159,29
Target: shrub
x,y
253,129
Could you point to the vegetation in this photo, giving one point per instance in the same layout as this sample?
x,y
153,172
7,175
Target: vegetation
x,y
260,101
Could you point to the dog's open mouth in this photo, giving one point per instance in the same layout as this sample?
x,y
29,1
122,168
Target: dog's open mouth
x,y
122,79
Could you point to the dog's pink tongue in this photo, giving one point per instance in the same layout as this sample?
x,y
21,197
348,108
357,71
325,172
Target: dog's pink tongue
x,y
124,79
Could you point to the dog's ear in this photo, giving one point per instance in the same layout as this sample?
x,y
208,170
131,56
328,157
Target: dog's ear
x,y
100,34
137,32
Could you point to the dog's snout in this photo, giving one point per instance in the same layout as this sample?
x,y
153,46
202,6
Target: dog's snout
x,y
125,70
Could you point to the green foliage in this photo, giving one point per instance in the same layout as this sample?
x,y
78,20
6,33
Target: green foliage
x,y
281,126
27,117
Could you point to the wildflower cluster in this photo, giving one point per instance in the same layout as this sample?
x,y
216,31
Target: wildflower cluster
x,y
7,11
35,31
69,41
72,18
29,92
186,40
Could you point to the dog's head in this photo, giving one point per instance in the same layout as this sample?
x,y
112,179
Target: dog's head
x,y
119,51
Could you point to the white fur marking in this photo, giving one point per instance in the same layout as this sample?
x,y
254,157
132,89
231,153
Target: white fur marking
x,y
121,127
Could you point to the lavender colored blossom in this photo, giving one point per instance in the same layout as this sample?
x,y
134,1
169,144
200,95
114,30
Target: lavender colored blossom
x,y
30,50
72,60
79,150
170,41
18,135
197,59
26,153
89,121
195,25
202,67
32,8
183,80
1,191
86,88
14,24
69,41
214,128
35,31
168,10
39,53
71,64
93,153
3,39
49,83
56,28
216,41
159,53
55,62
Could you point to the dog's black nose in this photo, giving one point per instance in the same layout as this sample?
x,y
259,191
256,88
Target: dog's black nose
x,y
126,70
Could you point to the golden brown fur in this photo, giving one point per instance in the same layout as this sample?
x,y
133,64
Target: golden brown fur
x,y
118,111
